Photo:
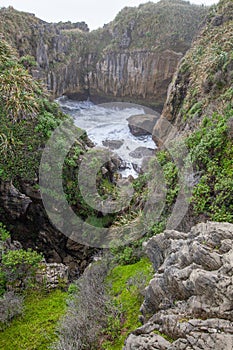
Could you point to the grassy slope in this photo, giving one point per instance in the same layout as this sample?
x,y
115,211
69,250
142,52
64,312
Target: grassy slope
x,y
35,330
126,282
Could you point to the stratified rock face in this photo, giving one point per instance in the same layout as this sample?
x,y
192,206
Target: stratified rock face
x,y
143,74
191,294
133,57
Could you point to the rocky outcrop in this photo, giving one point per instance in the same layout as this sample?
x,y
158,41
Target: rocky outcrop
x,y
33,229
191,294
15,203
141,152
113,144
141,125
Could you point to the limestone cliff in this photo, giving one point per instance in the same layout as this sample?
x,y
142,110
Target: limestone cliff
x,y
133,57
138,74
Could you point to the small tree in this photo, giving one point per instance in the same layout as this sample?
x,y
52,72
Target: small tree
x,y
18,266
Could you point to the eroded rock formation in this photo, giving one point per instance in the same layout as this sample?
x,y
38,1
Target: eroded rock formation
x,y
191,294
141,75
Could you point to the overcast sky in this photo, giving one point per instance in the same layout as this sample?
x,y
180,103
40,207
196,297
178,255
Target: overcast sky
x,y
94,12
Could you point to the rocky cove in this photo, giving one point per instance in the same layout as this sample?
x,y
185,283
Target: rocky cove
x,y
123,128
122,61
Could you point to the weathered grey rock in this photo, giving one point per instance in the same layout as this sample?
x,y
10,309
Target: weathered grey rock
x,y
52,275
191,294
141,125
150,341
217,21
31,189
141,152
15,203
113,144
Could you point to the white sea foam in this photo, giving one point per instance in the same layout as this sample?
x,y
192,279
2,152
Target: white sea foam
x,y
109,122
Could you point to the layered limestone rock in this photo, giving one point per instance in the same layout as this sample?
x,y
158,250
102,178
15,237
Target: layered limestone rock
x,y
131,58
52,275
141,74
190,297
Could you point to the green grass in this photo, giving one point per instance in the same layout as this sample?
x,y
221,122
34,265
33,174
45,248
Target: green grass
x,y
128,297
35,329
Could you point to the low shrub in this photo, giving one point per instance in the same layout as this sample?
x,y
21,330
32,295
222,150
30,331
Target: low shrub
x,y
19,267
89,311
11,305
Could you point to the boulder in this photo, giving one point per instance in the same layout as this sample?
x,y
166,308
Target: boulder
x,y
141,152
113,144
190,297
143,124
15,203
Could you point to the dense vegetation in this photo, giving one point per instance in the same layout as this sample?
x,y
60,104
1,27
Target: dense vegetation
x,y
156,26
24,113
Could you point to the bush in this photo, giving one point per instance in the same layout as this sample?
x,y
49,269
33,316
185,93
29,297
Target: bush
x,y
211,151
89,311
28,61
19,267
4,234
11,305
